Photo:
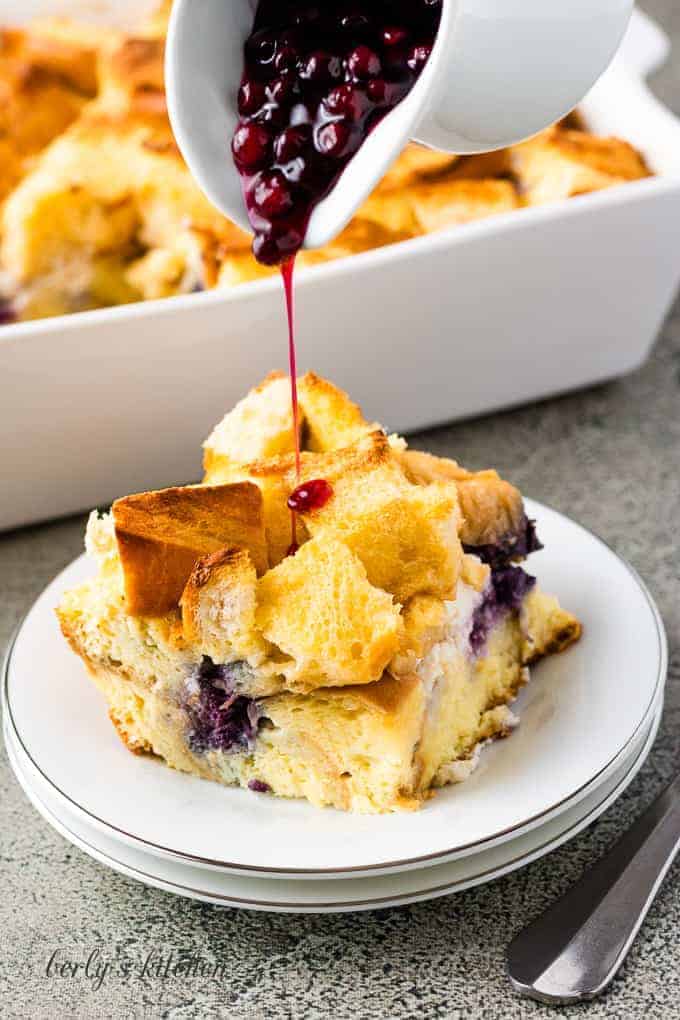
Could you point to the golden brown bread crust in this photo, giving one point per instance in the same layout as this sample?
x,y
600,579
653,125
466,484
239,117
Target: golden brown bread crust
x,y
234,564
332,422
331,626
275,479
254,441
128,737
131,75
560,163
417,163
610,156
548,628
110,212
218,607
569,634
405,535
331,418
44,84
348,446
162,534
138,64
203,573
260,428
436,206
491,507
483,167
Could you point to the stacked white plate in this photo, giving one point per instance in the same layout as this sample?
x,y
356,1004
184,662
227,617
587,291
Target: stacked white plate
x,y
589,718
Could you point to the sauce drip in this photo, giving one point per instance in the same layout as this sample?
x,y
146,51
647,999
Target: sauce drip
x,y
287,273
314,494
317,79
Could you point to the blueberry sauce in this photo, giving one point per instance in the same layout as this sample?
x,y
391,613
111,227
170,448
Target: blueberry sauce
x,y
310,495
257,786
318,77
514,546
7,314
506,591
220,720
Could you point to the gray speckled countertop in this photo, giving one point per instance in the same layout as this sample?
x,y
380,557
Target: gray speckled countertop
x,y
611,458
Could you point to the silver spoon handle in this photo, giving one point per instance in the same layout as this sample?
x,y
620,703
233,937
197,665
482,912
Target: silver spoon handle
x,y
573,950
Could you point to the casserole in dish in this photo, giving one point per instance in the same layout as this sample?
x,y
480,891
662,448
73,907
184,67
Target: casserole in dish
x,y
450,324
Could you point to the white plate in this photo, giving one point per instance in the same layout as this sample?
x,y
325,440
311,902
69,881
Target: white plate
x,y
325,896
579,717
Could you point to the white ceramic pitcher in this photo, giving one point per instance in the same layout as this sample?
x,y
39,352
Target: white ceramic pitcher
x,y
500,71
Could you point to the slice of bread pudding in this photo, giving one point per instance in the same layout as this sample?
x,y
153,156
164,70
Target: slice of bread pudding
x,y
361,672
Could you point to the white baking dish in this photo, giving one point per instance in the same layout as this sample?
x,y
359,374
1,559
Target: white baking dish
x,y
471,319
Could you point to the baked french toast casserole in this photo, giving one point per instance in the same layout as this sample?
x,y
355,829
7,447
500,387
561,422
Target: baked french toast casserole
x,y
361,667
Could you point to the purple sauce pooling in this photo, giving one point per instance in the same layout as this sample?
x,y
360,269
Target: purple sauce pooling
x,y
514,546
220,719
507,589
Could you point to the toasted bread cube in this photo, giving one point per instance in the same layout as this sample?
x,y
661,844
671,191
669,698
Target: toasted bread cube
x,y
110,184
443,205
162,272
415,163
560,163
332,419
381,220
328,420
162,534
131,73
474,573
425,619
260,426
405,535
275,478
424,468
218,607
374,226
491,507
320,610
45,222
239,265
46,77
547,628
